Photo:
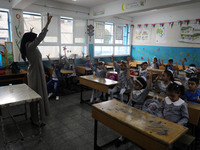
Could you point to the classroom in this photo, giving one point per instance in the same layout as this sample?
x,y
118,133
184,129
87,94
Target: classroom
x,y
99,74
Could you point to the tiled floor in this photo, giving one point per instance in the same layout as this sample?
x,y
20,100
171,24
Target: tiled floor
x,y
69,127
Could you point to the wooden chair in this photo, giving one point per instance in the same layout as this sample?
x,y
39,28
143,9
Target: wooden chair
x,y
187,140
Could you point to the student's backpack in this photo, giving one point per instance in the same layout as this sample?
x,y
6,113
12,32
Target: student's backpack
x,y
151,106
14,67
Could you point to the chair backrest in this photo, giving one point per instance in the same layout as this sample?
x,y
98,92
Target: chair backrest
x,y
194,116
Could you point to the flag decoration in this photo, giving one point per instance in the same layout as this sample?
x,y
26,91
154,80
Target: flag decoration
x,y
198,21
127,25
153,25
139,25
132,25
186,22
180,23
145,25
161,24
171,24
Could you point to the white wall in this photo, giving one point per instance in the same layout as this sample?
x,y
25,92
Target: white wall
x,y
173,15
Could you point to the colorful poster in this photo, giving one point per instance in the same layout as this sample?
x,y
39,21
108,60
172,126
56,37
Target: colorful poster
x,y
119,32
98,12
18,27
142,35
161,35
9,48
190,33
100,29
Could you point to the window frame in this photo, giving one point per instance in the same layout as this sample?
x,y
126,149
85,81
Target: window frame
x,y
9,24
114,37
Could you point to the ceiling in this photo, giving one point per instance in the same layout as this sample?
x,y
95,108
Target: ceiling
x,y
86,3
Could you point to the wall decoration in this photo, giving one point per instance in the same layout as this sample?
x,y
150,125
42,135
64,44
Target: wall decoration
x,y
98,12
145,25
119,32
90,29
171,24
180,23
153,25
2,52
161,35
186,22
190,34
161,24
197,21
18,33
142,35
139,25
9,49
129,4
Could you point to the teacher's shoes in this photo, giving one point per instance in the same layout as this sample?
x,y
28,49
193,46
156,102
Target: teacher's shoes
x,y
50,94
57,98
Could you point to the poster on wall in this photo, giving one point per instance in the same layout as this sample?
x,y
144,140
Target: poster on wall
x,y
161,35
142,35
119,32
100,28
190,33
131,4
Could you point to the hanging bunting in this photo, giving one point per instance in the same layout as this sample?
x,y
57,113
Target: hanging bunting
x,y
161,24
186,22
153,25
132,25
180,23
139,25
145,25
171,24
127,25
198,21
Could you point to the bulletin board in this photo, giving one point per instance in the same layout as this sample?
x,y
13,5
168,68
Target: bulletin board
x,y
6,51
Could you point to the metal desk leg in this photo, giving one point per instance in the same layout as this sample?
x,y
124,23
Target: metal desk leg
x,y
95,135
81,98
2,129
25,111
39,119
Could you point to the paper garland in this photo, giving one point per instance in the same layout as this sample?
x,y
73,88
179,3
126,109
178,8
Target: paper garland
x,y
186,22
145,25
171,24
161,24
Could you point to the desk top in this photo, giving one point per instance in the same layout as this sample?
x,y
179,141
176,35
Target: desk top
x,y
111,72
9,73
64,71
17,94
109,67
99,80
155,70
157,128
83,67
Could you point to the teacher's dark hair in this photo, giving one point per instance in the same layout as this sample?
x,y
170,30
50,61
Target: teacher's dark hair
x,y
27,37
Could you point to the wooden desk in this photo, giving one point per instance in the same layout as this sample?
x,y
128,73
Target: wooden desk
x,y
97,83
109,67
157,71
9,76
146,130
13,95
83,70
64,71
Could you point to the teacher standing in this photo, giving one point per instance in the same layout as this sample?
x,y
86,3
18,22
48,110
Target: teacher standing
x,y
36,75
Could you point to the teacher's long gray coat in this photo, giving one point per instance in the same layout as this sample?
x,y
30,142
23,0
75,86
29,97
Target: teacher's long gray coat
x,y
36,76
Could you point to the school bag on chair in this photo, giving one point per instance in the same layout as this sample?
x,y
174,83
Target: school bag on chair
x,y
14,67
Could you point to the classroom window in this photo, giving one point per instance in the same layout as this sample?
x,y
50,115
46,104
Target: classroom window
x,y
103,33
80,27
5,33
103,51
121,50
32,20
66,30
71,50
122,34
52,50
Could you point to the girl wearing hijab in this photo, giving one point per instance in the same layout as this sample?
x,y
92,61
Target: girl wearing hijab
x,y
36,75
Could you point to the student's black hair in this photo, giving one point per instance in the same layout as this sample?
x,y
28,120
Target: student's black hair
x,y
174,87
169,73
100,63
56,61
156,59
141,80
123,63
144,63
192,65
196,80
170,60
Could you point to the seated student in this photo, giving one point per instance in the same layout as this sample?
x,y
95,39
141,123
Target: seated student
x,y
184,79
86,60
166,79
140,89
56,78
122,75
193,93
143,70
172,107
100,71
170,65
96,61
154,64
